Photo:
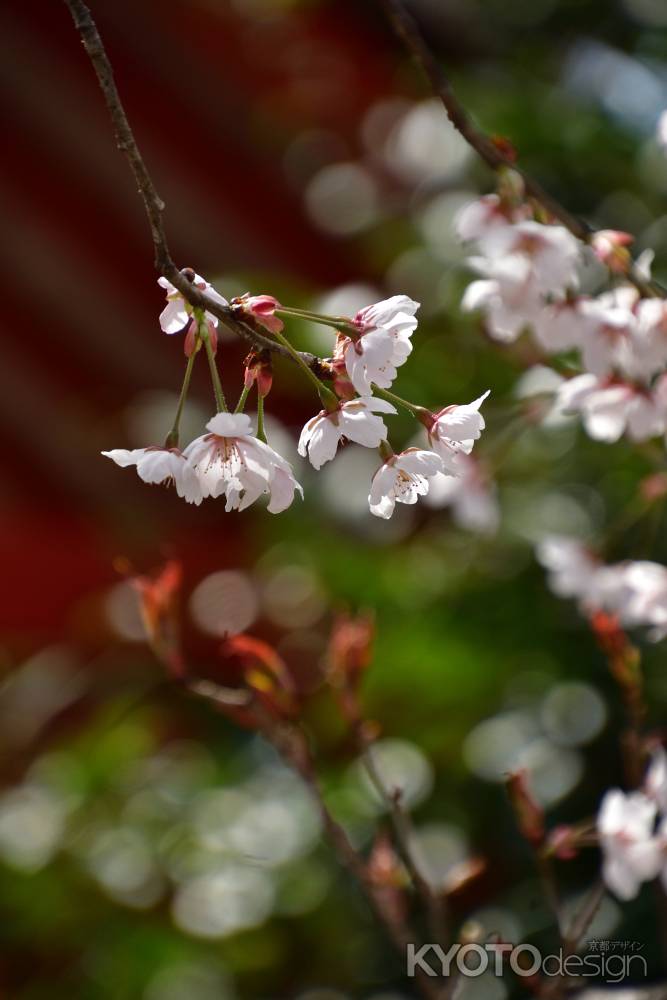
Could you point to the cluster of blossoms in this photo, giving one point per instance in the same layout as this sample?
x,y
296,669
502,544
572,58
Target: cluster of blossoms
x,y
234,461
632,831
530,280
634,591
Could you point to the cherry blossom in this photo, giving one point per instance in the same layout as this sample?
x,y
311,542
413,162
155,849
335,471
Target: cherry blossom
x,y
454,431
354,419
469,494
551,252
606,341
403,479
562,325
661,131
521,264
635,591
632,853
611,408
655,782
475,219
176,314
505,295
384,344
161,465
571,567
230,461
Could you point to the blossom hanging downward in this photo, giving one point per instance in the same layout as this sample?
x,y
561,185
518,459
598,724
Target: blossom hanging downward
x,y
354,420
161,465
231,462
384,344
632,854
454,430
610,407
403,479
177,313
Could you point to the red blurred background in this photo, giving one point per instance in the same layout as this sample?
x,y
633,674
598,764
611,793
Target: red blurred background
x,y
216,96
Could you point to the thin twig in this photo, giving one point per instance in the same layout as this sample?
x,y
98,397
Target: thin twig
x,y
153,204
584,918
434,903
291,744
491,153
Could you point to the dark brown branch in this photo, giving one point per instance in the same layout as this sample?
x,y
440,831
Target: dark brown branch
x,y
153,203
493,155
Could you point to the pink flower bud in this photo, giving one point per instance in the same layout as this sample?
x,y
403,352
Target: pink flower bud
x,y
262,308
259,369
609,246
563,842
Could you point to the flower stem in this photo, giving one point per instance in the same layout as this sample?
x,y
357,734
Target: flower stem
x,y
329,399
261,433
220,401
240,406
419,411
336,322
172,437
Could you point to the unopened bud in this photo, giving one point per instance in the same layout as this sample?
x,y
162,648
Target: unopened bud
x,y
562,842
610,246
258,368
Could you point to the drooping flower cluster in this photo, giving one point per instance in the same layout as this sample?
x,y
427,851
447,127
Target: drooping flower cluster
x,y
632,831
531,277
234,462
634,591
229,461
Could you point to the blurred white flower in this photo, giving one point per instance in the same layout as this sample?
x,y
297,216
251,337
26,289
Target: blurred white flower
x,y
570,565
470,495
611,408
632,853
655,782
661,131
475,219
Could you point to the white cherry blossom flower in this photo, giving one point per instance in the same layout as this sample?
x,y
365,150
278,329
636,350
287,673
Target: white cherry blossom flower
x,y
355,420
606,339
562,325
655,781
455,430
506,296
661,131
649,344
551,252
632,854
611,408
470,495
161,465
474,220
384,344
176,314
230,461
402,479
570,566
643,598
